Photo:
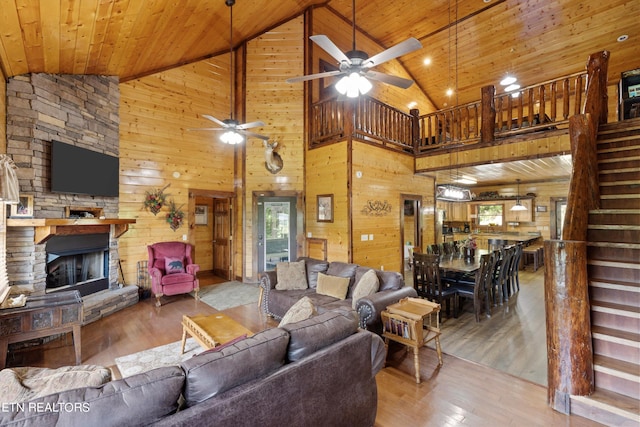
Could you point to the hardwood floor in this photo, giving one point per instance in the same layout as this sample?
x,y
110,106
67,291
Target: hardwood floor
x,y
459,393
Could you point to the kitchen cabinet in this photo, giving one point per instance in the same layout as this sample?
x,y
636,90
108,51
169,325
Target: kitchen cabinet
x,y
518,216
458,212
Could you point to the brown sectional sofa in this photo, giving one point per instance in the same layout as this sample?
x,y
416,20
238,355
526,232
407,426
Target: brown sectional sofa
x,y
392,289
317,372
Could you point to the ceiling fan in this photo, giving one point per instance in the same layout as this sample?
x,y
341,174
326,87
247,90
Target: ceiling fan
x,y
355,65
233,131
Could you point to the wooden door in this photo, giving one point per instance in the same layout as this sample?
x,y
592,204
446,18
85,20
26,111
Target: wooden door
x,y
222,238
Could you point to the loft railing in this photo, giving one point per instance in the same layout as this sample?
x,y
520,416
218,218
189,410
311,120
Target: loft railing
x,y
363,118
540,107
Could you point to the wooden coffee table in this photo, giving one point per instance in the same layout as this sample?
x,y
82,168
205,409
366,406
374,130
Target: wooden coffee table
x,y
211,331
413,322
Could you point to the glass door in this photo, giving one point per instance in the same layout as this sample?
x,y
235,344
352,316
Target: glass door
x,y
276,231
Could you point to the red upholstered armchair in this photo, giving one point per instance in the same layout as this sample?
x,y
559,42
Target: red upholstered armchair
x,y
172,270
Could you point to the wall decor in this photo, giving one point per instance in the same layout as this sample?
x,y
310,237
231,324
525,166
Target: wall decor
x,y
541,208
376,208
155,199
202,215
175,217
325,207
24,208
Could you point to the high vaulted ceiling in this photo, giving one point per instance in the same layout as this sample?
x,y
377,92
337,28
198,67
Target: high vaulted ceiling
x,y
471,43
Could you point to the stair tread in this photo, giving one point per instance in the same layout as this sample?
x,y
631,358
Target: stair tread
x,y
630,370
608,399
595,304
618,284
616,333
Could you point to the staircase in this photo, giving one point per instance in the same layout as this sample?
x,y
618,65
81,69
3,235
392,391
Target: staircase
x,y
614,280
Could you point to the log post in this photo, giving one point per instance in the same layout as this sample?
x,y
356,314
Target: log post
x,y
569,347
488,127
415,129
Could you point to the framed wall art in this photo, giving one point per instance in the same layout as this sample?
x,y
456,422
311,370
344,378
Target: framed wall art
x,y
24,208
325,207
202,215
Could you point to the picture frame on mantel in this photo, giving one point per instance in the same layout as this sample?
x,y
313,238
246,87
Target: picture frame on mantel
x,y
24,208
325,208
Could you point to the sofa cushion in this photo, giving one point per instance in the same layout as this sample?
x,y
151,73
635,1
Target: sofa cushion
x,y
301,310
291,275
343,269
390,280
133,401
332,286
173,265
367,285
318,332
26,383
213,373
314,266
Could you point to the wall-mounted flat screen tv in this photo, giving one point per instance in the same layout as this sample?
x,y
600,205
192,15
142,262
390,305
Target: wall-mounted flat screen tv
x,y
77,170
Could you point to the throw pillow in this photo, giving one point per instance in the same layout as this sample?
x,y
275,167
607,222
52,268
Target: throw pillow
x,y
291,275
333,286
301,310
173,265
367,285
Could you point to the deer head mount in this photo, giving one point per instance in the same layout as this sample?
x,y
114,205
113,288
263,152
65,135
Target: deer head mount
x,y
272,160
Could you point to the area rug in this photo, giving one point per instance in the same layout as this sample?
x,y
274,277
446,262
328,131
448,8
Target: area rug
x,y
229,294
165,355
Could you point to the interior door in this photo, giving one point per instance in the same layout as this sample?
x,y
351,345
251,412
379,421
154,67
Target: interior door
x,y
276,231
222,238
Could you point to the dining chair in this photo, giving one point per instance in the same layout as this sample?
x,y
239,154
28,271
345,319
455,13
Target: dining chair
x,y
433,249
428,284
501,276
496,244
514,267
478,290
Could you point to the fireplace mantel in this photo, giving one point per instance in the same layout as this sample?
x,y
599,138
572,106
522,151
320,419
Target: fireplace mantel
x,y
47,227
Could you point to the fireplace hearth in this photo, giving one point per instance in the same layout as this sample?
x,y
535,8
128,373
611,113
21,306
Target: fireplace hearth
x,y
78,262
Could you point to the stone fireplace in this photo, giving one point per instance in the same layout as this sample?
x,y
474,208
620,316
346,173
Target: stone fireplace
x,y
53,251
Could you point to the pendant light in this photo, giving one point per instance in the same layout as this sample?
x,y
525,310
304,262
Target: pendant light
x,y
518,206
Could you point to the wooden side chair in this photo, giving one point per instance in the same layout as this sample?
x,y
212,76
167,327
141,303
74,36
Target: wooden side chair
x,y
427,282
478,290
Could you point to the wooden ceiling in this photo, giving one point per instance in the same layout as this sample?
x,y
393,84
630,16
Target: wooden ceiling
x,y
471,43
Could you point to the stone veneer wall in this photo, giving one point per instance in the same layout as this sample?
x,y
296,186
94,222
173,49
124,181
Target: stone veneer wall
x,y
81,110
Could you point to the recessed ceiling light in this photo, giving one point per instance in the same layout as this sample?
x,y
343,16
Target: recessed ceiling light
x,y
508,80
487,1
412,104
623,38
427,61
511,87
449,92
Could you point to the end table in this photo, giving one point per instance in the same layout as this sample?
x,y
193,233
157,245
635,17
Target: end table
x,y
413,322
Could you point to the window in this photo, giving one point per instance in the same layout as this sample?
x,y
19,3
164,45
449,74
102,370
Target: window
x,y
490,215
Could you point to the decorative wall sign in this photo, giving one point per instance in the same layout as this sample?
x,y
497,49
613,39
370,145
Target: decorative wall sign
x,y
202,214
325,207
541,208
376,208
24,208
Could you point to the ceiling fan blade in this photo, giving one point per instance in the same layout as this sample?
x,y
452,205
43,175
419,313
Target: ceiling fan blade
x,y
328,46
389,79
191,129
250,125
402,48
313,76
213,119
253,135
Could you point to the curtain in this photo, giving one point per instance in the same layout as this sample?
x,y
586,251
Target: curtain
x,y
9,188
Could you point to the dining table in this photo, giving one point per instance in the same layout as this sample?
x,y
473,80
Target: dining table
x,y
457,263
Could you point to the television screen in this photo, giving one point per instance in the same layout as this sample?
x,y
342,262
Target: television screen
x,y
77,170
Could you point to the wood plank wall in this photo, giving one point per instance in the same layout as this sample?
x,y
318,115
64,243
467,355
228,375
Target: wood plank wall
x,y
3,113
327,173
385,177
326,22
270,60
156,149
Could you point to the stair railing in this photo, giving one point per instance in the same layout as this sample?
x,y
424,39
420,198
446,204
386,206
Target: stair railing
x,y
568,323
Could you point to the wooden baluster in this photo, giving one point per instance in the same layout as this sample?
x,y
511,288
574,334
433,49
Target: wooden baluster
x,y
578,105
565,99
530,106
520,109
554,101
488,114
542,106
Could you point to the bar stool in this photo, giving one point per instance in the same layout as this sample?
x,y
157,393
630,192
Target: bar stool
x,y
531,253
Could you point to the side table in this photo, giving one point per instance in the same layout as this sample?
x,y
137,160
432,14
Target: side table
x,y
413,322
42,316
211,331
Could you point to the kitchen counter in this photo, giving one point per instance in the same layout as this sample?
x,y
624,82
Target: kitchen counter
x,y
511,238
